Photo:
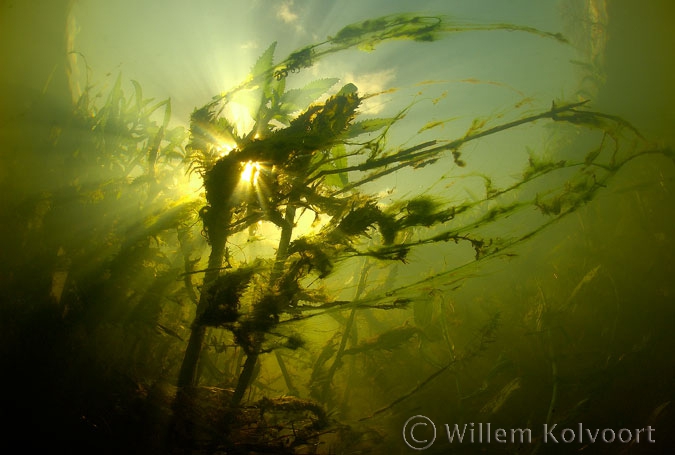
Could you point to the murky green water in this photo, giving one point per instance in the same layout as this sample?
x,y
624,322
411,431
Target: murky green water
x,y
442,226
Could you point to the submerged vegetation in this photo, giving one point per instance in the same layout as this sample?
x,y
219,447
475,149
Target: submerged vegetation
x,y
251,319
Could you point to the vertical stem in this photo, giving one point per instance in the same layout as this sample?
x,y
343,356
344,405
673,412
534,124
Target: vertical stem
x,y
218,237
287,377
188,376
246,376
554,369
348,329
284,242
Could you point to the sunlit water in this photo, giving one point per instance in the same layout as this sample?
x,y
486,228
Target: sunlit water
x,y
570,326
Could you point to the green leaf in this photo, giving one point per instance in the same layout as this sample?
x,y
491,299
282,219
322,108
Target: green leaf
x,y
338,161
157,105
139,94
368,126
369,33
167,113
297,99
112,105
264,62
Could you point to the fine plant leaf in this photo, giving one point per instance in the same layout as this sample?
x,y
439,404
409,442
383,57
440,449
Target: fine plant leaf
x,y
167,113
338,161
157,105
367,34
138,94
264,62
369,126
496,403
435,124
297,99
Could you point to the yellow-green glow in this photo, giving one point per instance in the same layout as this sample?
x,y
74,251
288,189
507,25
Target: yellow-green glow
x,y
250,172
224,148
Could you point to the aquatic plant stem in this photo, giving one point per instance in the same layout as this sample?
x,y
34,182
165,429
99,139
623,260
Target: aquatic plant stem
x,y
431,149
554,367
218,238
287,377
246,376
348,330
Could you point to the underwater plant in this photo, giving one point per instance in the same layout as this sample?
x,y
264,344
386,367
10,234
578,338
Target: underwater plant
x,y
311,292
308,159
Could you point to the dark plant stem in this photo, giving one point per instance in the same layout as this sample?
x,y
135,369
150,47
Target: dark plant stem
x,y
246,376
287,377
218,238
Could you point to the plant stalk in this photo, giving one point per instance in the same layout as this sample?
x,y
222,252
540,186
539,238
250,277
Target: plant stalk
x,y
246,376
218,237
